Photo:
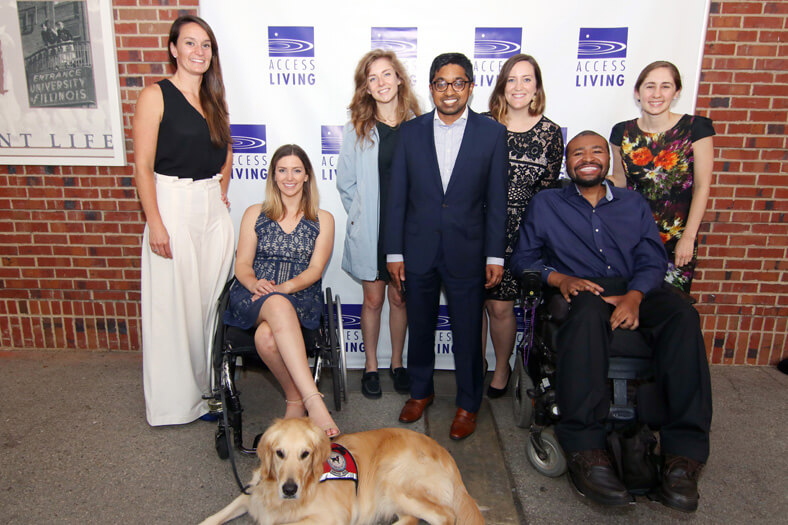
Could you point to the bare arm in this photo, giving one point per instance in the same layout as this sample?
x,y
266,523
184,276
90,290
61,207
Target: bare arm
x,y
618,176
226,171
703,151
145,132
247,246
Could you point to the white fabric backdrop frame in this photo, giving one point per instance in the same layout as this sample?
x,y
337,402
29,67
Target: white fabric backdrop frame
x,y
304,99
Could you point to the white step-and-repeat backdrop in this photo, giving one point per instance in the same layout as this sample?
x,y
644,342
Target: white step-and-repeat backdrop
x,y
288,70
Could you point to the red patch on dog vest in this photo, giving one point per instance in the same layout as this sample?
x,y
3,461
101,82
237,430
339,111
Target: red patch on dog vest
x,y
340,465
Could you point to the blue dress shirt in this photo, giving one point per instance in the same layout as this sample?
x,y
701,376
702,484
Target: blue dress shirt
x,y
562,232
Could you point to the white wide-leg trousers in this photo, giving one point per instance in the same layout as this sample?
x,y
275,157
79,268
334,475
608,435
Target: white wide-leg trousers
x,y
179,298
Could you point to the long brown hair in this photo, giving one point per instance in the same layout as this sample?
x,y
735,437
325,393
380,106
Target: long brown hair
x,y
212,87
363,111
498,106
273,207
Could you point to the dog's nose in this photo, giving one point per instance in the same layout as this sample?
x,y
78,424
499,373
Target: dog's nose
x,y
290,488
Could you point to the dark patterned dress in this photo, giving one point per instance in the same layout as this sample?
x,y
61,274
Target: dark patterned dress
x,y
279,257
534,164
660,166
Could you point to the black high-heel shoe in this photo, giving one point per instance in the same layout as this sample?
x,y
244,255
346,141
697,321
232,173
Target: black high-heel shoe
x,y
495,393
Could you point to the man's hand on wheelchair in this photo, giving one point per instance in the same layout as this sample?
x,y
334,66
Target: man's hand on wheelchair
x,y
571,286
627,312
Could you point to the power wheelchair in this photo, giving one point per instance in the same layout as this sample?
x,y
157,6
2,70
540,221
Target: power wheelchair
x,y
234,347
636,407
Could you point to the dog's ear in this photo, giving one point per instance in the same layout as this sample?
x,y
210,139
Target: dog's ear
x,y
265,451
321,449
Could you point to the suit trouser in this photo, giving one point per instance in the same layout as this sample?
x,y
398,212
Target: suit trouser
x,y
465,298
672,328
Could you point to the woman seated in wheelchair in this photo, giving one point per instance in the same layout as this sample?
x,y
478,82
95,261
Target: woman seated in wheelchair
x,y
284,244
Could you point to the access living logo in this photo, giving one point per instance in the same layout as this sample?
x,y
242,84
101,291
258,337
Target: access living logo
x,y
492,46
402,40
601,56
291,55
330,144
250,151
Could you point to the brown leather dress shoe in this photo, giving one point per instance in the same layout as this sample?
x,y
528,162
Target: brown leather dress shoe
x,y
463,425
679,489
414,408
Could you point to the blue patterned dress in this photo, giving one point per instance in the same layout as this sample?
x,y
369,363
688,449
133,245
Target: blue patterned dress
x,y
279,257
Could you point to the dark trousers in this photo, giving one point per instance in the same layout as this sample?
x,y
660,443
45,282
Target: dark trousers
x,y
465,297
672,328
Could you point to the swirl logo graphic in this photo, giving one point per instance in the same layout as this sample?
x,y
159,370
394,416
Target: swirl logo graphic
x,y
351,316
291,41
330,139
401,40
248,138
497,42
602,42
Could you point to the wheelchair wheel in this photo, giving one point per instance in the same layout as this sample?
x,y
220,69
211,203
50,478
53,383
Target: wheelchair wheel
x,y
522,404
342,355
335,357
553,461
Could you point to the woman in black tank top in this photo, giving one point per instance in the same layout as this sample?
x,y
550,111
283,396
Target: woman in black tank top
x,y
183,159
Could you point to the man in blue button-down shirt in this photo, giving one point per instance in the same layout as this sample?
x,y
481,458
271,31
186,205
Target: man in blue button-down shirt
x,y
600,247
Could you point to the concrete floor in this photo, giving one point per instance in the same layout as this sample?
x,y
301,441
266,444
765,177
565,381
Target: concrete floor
x,y
75,448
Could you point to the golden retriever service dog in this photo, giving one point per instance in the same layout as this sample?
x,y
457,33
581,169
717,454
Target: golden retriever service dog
x,y
400,473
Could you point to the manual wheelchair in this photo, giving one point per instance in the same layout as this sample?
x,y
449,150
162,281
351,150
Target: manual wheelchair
x,y
636,408
234,347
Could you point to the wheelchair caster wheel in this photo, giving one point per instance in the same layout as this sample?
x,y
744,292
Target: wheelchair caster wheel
x,y
551,460
222,447
522,404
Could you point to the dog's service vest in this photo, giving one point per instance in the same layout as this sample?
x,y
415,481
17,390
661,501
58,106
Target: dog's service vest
x,y
340,465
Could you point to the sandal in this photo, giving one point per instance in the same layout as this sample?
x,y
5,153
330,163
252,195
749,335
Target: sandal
x,y
328,426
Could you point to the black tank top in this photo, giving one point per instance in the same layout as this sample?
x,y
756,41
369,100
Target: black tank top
x,y
183,148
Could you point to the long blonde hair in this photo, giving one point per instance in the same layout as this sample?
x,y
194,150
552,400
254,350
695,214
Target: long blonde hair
x,y
273,207
363,110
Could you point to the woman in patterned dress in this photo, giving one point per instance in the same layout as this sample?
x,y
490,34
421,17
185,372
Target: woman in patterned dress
x,y
284,245
667,158
536,147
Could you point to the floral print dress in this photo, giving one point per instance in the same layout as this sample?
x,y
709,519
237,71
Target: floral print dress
x,y
660,166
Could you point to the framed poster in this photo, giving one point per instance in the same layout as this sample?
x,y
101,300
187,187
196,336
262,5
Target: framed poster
x,y
59,91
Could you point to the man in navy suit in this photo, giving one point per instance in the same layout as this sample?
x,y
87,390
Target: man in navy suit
x,y
445,226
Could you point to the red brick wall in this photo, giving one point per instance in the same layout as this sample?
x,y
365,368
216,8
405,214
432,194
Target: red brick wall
x,y
743,285
69,237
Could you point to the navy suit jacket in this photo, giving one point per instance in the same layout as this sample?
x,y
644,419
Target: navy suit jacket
x,y
467,223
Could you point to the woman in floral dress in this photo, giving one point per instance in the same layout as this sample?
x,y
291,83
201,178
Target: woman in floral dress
x,y
535,145
667,158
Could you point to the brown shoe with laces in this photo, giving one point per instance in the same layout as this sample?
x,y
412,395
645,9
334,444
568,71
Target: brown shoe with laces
x,y
679,488
592,474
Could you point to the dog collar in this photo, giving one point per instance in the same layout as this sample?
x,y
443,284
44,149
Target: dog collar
x,y
340,465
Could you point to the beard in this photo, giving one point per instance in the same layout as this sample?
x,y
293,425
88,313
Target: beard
x,y
589,183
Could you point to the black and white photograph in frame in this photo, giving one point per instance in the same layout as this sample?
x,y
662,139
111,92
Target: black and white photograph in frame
x,y
59,85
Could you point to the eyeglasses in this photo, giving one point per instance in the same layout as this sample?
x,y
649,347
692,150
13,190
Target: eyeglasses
x,y
458,85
